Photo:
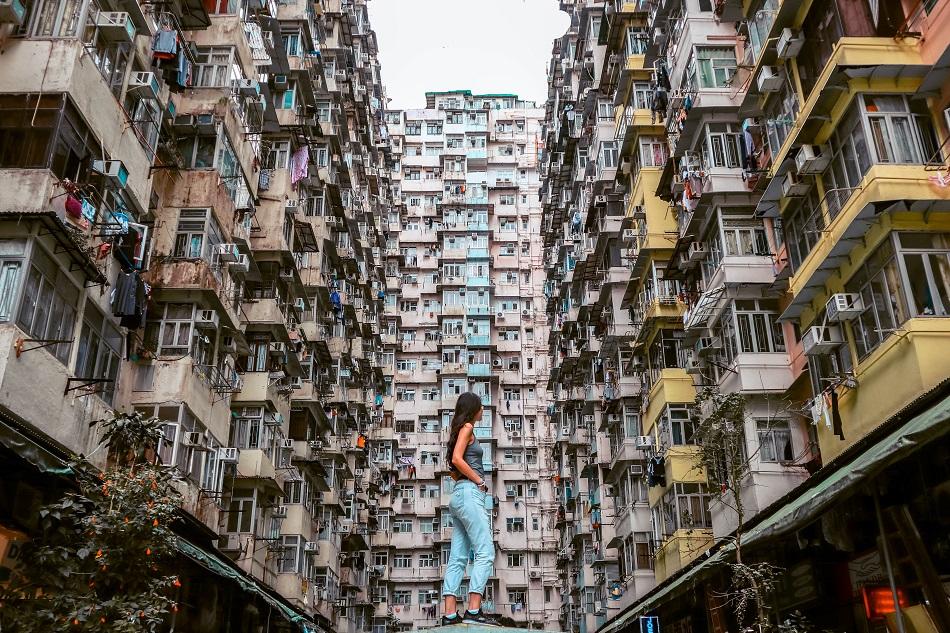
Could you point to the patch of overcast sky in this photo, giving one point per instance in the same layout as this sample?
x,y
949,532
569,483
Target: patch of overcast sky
x,y
486,46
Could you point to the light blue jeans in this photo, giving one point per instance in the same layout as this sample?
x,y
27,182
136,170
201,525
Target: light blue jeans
x,y
471,532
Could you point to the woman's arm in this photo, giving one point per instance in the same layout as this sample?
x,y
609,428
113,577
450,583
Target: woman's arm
x,y
458,456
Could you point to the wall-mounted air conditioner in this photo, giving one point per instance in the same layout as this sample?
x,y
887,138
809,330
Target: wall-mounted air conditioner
x,y
844,306
770,79
789,44
145,84
821,339
812,159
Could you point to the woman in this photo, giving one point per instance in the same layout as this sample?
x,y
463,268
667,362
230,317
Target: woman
x,y
471,528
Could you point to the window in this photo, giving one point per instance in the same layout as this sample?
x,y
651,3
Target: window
x,y
292,43
57,18
751,326
100,350
608,154
517,598
175,330
605,111
402,526
515,559
402,597
48,306
291,556
196,235
215,67
680,425
907,276
11,263
653,152
715,65
775,441
724,146
514,524
402,561
240,512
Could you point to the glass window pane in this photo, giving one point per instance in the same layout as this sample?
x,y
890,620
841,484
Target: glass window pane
x,y
922,301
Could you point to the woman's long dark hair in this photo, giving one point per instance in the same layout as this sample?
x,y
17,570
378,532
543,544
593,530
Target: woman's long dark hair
x,y
466,408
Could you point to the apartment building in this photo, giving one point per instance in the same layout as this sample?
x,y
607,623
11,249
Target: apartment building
x,y
463,273
743,198
192,229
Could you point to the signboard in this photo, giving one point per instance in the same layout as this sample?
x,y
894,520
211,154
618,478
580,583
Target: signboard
x,y
649,624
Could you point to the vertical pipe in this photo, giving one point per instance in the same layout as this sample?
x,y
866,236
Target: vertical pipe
x,y
887,562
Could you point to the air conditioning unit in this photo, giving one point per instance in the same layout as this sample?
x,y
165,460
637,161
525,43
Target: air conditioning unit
x,y
228,455
643,441
248,87
229,542
228,344
301,304
515,435
812,159
510,491
115,26
629,234
600,200
226,253
526,313
534,575
496,362
279,82
589,418
315,445
599,607
821,339
279,512
145,84
789,44
794,187
358,472
693,366
287,443
241,265
844,306
114,170
770,79
500,315
287,274
12,12
311,547
613,418
609,491
697,252
707,345
183,121
207,319
277,348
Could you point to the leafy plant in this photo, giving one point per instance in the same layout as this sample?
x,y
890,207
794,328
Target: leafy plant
x,y
101,559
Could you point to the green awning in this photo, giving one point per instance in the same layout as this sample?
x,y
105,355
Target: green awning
x,y
662,592
215,565
847,479
807,507
30,450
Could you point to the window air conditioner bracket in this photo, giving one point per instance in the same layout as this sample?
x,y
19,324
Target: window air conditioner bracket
x,y
43,342
74,384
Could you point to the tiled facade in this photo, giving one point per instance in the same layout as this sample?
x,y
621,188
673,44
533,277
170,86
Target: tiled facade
x,y
463,273
719,192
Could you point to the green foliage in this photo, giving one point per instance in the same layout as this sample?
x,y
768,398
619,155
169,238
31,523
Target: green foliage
x,y
101,560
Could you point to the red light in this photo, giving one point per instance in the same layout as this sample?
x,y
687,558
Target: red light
x,y
879,601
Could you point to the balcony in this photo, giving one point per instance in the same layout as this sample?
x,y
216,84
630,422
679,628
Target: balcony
x,y
768,372
69,70
255,466
679,550
259,387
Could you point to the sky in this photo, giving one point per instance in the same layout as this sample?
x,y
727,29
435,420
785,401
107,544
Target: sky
x,y
497,46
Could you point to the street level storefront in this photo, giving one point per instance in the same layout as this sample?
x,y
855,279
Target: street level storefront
x,y
215,595
864,544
